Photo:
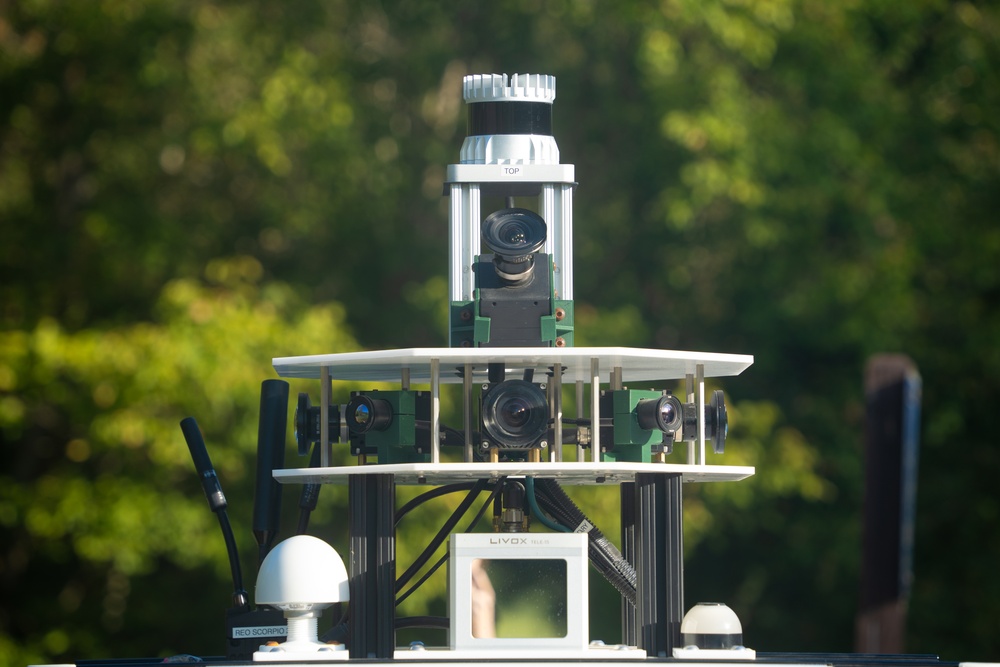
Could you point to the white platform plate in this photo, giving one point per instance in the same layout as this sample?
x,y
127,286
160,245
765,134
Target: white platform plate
x,y
478,656
637,364
573,473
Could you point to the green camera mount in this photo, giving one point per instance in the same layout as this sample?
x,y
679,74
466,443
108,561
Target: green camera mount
x,y
385,424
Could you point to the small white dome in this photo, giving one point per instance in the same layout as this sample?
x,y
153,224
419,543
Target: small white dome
x,y
302,572
711,625
711,618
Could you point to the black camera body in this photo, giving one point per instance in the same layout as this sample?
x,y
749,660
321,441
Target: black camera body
x,y
517,314
514,415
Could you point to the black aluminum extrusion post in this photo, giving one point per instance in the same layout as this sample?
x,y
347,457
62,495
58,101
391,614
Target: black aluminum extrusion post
x,y
892,442
372,608
659,563
627,493
270,457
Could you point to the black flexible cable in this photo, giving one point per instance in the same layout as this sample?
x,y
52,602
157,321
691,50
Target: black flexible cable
x,y
442,534
452,437
440,622
424,577
339,632
603,554
303,525
441,561
497,488
240,598
572,436
217,503
584,421
536,511
436,492
309,496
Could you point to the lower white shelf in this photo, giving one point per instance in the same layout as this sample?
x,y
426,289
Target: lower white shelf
x,y
573,473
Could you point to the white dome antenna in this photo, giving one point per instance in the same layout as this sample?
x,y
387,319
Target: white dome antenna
x,y
302,576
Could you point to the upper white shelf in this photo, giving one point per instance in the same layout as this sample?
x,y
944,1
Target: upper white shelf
x,y
569,472
636,364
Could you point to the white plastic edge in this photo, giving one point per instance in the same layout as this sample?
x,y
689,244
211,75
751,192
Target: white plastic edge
x,y
715,654
517,87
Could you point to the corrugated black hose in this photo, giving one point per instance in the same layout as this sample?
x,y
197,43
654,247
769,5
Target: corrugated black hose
x,y
603,554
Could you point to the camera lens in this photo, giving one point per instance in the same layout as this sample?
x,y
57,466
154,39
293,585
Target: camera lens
x,y
718,420
663,413
365,414
306,426
514,234
515,414
362,414
307,423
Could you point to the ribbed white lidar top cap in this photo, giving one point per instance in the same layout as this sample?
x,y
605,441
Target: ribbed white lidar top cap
x,y
516,87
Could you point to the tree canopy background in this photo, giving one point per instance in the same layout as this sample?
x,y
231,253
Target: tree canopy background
x,y
188,189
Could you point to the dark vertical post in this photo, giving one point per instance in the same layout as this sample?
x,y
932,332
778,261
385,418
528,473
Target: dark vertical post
x,y
891,445
271,430
372,609
659,562
627,492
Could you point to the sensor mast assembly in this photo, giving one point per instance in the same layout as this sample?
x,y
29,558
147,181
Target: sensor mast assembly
x,y
511,351
520,293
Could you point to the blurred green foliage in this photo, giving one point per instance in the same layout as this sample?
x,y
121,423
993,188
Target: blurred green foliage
x,y
190,188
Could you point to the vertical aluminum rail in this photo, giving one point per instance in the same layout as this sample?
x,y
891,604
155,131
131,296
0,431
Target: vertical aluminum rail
x,y
555,449
325,450
435,411
595,409
467,410
556,208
